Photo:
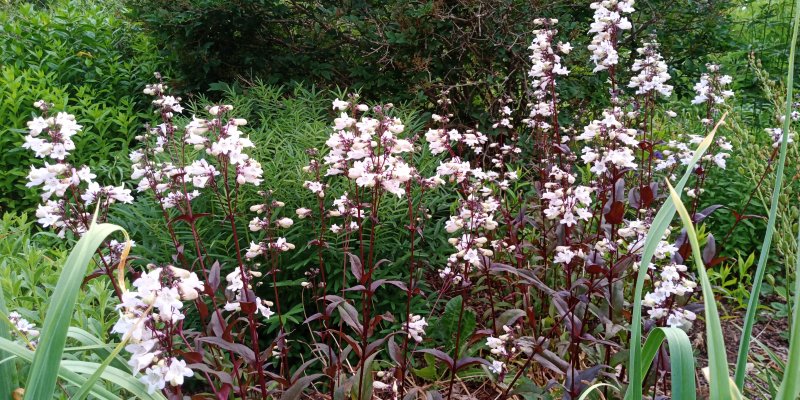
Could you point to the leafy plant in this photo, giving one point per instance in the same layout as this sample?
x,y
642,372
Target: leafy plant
x,y
47,363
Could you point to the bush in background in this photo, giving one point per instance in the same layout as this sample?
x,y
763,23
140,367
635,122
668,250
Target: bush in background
x,y
400,50
78,55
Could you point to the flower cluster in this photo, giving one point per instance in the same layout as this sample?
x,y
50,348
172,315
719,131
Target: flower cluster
x,y
237,293
712,87
416,327
149,316
367,149
504,347
652,71
219,138
614,144
440,140
23,327
545,67
608,22
672,283
565,203
776,134
683,151
67,190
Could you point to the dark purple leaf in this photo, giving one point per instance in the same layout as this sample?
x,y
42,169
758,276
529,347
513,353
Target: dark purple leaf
x,y
375,285
619,189
634,198
395,352
213,277
237,348
710,250
217,324
350,316
313,318
356,267
296,390
301,368
465,362
442,356
647,195
704,213
615,213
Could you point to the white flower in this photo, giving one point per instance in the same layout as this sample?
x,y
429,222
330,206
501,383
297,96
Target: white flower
x,y
497,367
416,327
652,70
340,105
176,372
284,222
303,212
154,378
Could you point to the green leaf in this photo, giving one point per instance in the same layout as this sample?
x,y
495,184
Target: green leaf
x,y
429,372
62,371
790,385
363,390
660,224
719,379
681,360
753,302
46,361
447,325
7,368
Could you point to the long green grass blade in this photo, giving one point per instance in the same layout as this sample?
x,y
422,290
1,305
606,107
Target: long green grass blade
x,y
62,371
7,368
719,381
113,375
86,387
98,347
752,304
47,358
660,224
596,387
790,384
681,360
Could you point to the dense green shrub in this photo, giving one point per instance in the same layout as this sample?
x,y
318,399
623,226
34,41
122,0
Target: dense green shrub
x,y
410,50
78,55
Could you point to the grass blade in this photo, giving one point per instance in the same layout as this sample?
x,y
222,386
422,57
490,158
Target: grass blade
x,y
98,347
595,387
752,304
719,378
7,368
62,371
660,224
681,360
86,387
790,385
47,358
118,377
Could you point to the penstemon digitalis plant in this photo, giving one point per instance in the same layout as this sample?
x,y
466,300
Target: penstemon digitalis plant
x,y
548,229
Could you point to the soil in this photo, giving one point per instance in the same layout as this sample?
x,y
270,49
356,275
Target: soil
x,y
768,336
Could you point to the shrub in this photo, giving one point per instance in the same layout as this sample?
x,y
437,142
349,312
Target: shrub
x,y
77,55
400,50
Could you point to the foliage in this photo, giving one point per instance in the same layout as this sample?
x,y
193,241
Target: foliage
x,y
475,50
78,55
31,267
395,253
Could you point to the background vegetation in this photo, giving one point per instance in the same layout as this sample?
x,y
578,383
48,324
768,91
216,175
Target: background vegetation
x,y
280,63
